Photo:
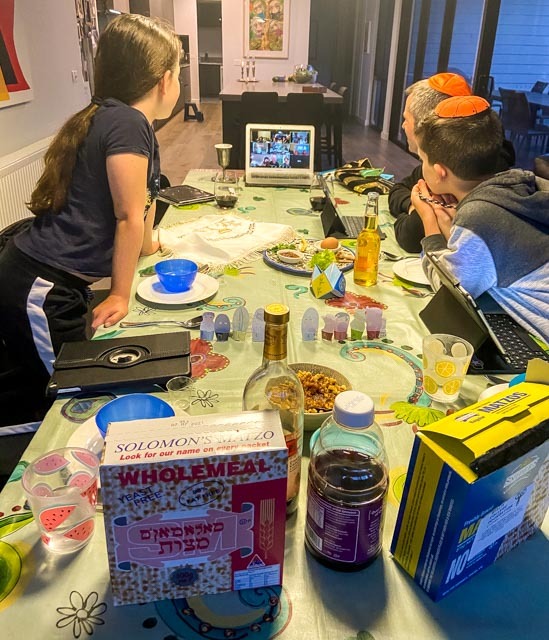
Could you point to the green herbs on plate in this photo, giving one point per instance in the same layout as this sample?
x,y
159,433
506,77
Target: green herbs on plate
x,y
322,259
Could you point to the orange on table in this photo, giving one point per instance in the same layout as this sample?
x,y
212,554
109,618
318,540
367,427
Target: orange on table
x,y
445,368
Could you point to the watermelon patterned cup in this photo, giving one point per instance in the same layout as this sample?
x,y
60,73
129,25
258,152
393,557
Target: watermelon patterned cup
x,y
61,487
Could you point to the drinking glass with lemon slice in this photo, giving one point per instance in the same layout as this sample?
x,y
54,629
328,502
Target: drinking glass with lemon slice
x,y
445,362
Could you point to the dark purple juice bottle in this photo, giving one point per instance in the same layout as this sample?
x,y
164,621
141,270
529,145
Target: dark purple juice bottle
x,y
347,486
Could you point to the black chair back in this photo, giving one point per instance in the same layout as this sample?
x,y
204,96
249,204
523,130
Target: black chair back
x,y
539,87
161,207
261,107
516,115
307,108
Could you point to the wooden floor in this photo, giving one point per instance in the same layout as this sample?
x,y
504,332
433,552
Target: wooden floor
x,y
190,145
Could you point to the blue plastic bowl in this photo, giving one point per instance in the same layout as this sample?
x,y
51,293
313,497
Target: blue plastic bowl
x,y
135,406
176,275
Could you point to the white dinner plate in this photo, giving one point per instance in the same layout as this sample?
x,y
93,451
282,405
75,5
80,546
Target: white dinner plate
x,y
87,436
411,270
152,293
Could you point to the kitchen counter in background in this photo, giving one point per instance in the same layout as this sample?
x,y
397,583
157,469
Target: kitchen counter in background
x,y
210,60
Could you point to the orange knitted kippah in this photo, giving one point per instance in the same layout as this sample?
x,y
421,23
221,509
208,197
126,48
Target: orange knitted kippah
x,y
450,83
461,106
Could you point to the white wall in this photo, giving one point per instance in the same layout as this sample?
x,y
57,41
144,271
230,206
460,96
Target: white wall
x,y
48,31
121,5
185,22
162,9
266,68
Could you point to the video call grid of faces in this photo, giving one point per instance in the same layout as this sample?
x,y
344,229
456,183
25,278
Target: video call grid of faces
x,y
280,149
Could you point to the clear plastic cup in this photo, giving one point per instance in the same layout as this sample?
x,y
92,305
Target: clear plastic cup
x,y
446,359
180,390
61,488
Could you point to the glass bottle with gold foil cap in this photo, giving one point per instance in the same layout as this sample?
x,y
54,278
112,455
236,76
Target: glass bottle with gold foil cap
x,y
368,245
275,386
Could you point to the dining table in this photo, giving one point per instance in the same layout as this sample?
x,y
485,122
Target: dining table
x,y
45,596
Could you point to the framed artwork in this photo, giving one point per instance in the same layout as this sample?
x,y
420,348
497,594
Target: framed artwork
x,y
267,28
15,82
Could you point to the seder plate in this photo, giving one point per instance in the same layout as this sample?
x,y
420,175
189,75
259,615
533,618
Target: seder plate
x,y
344,258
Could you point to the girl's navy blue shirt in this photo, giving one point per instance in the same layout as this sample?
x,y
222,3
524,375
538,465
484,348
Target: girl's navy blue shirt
x,y
80,237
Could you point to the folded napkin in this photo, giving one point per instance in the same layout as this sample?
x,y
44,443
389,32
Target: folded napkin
x,y
219,240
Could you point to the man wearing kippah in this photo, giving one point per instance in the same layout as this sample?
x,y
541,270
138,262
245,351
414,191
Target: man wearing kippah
x,y
422,97
494,239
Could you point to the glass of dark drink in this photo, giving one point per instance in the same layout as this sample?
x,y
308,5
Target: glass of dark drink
x,y
317,197
226,189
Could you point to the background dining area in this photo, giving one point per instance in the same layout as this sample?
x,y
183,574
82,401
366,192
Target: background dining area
x,y
284,103
525,118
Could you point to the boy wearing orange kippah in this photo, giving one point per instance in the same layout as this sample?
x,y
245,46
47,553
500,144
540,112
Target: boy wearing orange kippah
x,y
422,97
495,239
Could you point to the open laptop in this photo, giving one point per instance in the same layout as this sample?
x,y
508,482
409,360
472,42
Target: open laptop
x,y
335,224
501,344
279,155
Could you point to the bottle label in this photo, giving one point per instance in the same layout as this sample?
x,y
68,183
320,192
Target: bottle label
x,y
344,534
294,465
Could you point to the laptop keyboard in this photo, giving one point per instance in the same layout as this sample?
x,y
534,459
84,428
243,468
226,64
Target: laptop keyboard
x,y
353,225
283,177
518,345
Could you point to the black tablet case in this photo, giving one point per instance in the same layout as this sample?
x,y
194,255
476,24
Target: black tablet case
x,y
184,194
331,223
137,361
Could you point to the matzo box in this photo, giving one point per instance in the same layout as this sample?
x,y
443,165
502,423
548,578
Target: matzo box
x,y
476,487
194,505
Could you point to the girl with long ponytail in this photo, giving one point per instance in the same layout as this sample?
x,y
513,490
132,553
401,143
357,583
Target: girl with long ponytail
x,y
94,203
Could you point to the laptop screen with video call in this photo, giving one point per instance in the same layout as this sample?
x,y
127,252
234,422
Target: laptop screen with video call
x,y
278,154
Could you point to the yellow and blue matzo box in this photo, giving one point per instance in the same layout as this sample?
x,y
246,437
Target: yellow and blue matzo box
x,y
477,486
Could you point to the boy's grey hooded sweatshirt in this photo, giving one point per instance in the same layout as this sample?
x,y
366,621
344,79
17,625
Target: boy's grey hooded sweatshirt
x,y
499,243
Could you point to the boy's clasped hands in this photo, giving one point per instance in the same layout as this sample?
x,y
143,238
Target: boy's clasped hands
x,y
437,212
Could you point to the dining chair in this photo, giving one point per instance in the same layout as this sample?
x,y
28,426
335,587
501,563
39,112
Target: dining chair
x,y
332,138
307,108
256,106
345,94
161,207
340,113
23,407
539,86
516,117
542,113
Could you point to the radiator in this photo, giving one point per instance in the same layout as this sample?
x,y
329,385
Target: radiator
x,y
17,180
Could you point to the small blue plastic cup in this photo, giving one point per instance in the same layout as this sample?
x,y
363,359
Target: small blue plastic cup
x,y
135,406
176,275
